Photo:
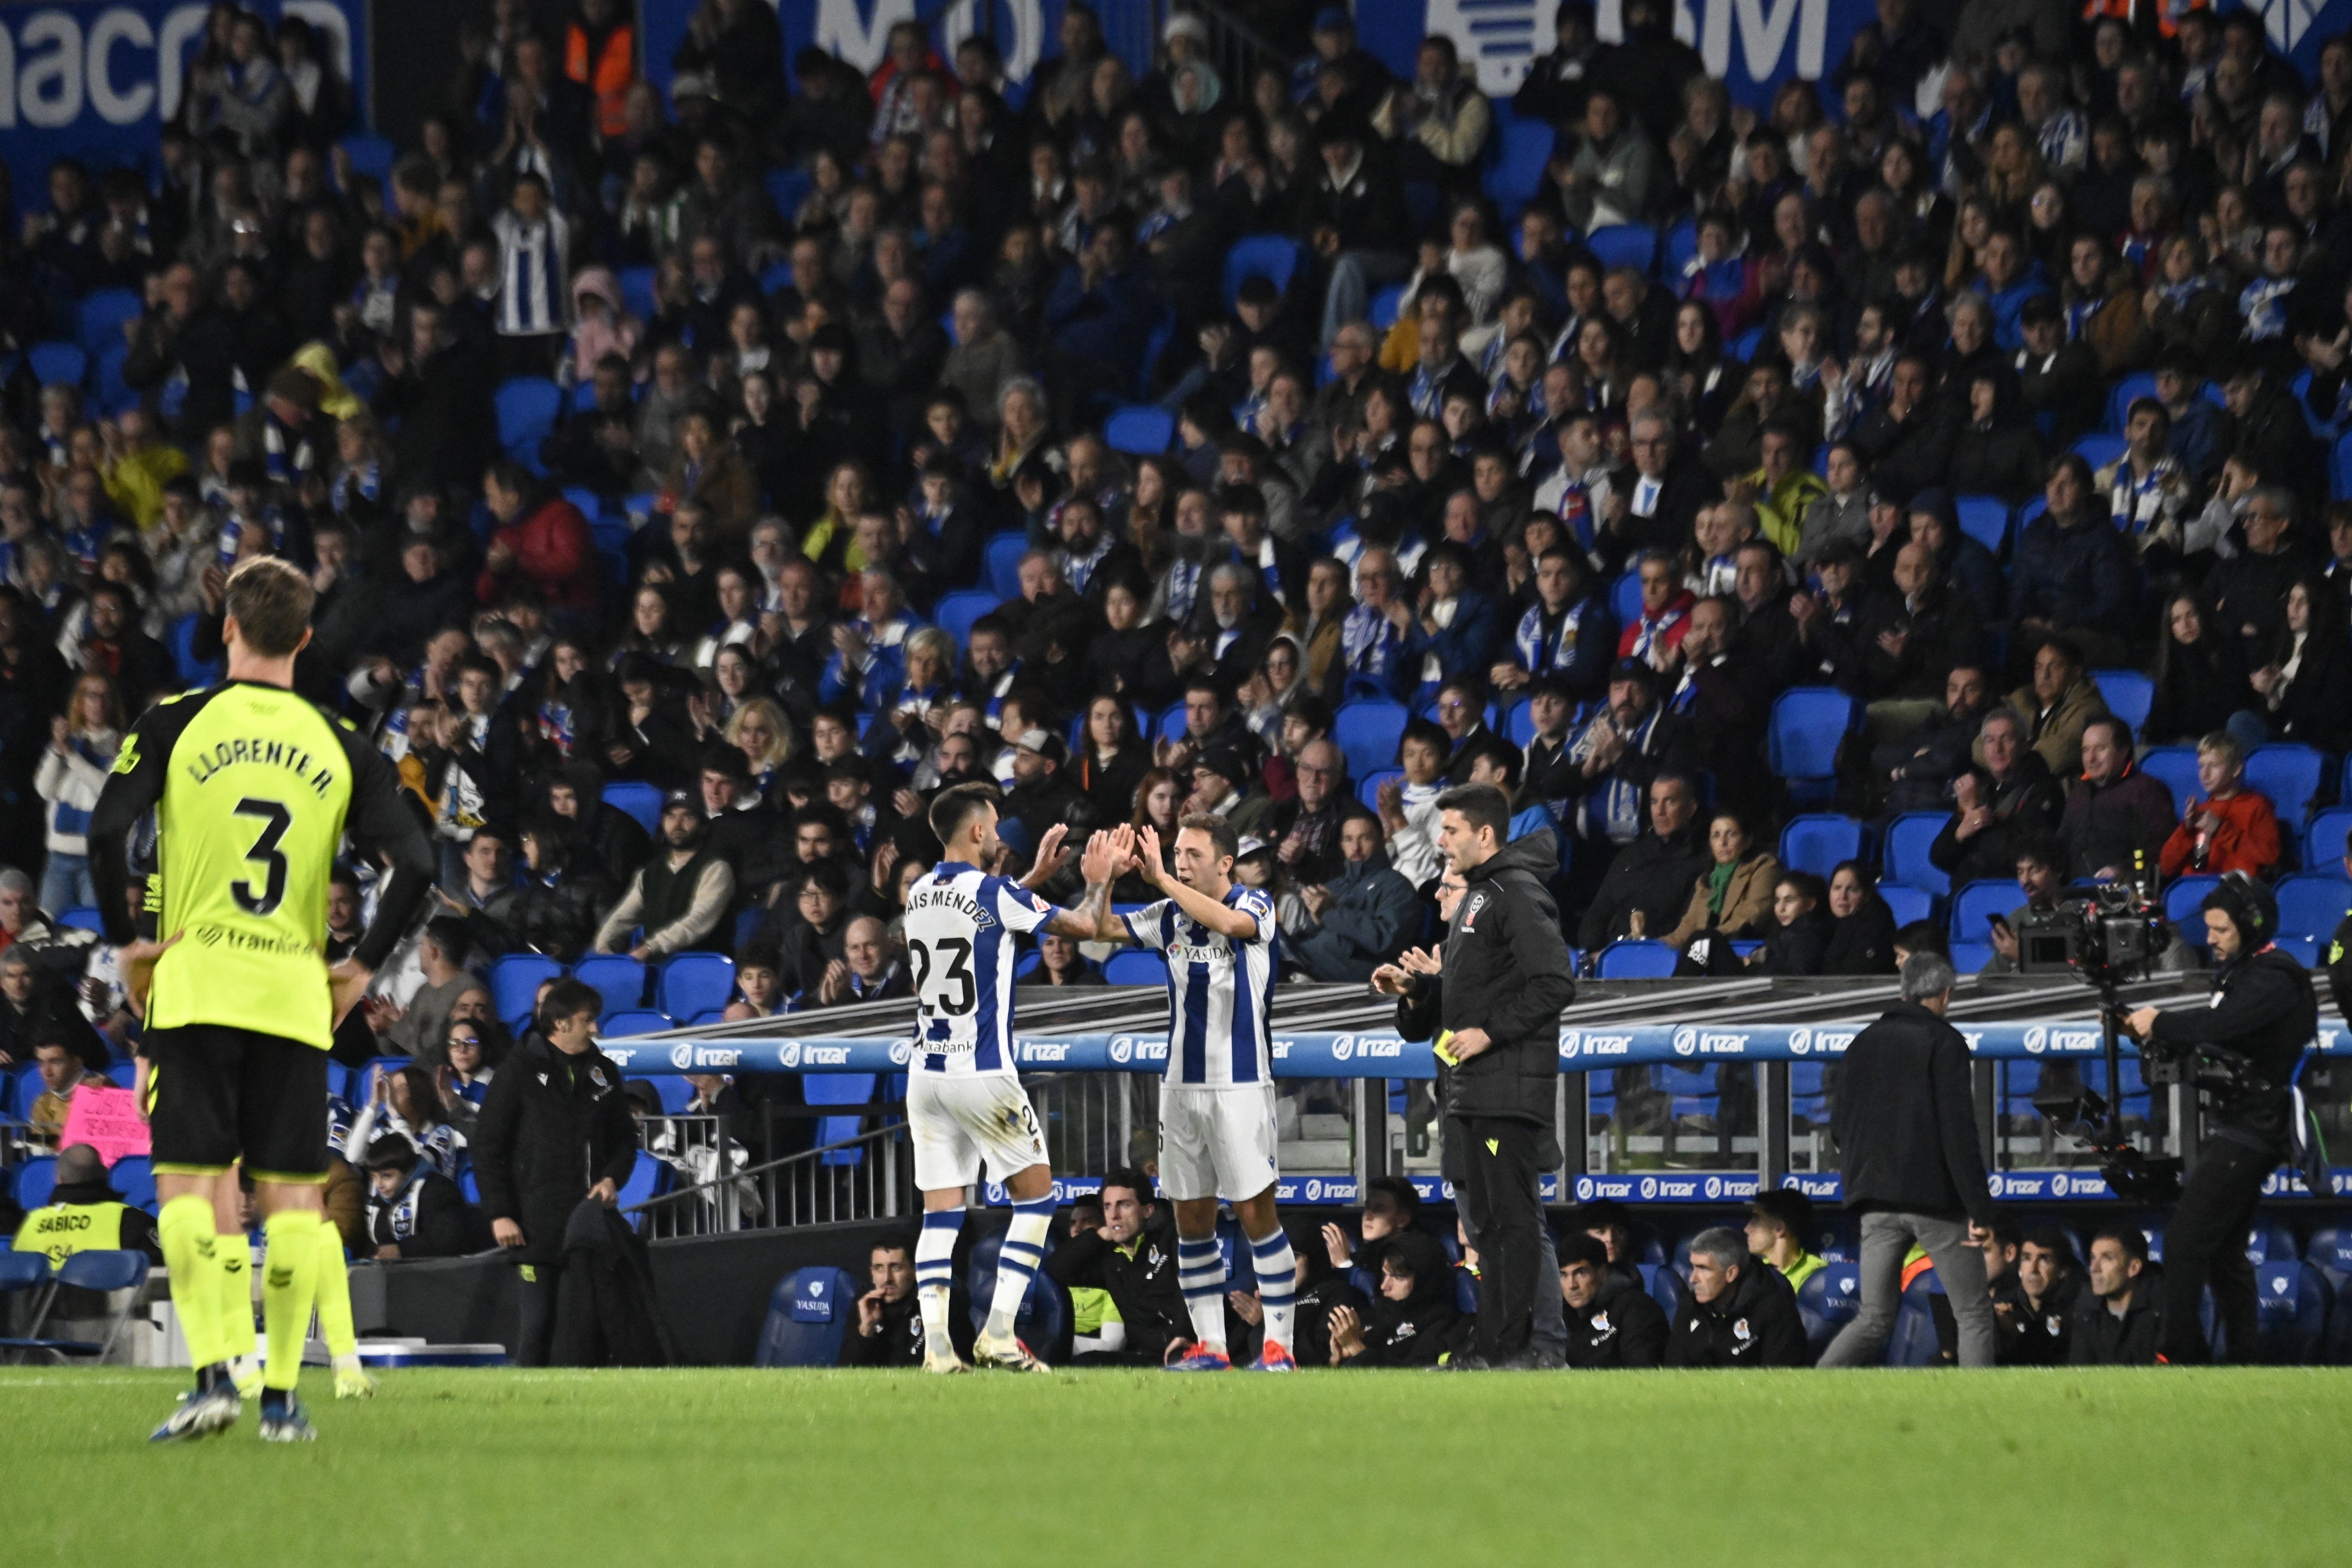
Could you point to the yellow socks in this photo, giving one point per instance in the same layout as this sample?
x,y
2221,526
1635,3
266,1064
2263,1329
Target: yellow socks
x,y
290,1282
334,1293
191,1252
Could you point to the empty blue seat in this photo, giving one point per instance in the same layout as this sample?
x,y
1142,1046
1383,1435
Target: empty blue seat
x,y
59,363
1625,598
515,980
1828,1300
369,154
1619,245
641,801
631,1021
2128,694
1132,967
788,188
1517,171
1906,904
955,613
2313,904
1139,430
1002,570
1908,839
2324,838
2130,389
1518,724
2291,1300
1984,519
1817,841
82,916
1270,255
1636,959
838,1089
1386,306
1043,1323
1974,904
1682,244
2289,776
695,982
101,317
1807,724
676,1092
2175,767
35,1180
2180,901
1367,735
2099,450
638,292
812,1310
133,1177
619,979
526,408
1913,1342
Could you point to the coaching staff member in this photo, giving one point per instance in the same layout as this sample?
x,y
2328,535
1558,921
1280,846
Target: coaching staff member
x,y
1906,1126
554,1129
2264,1009
1495,1018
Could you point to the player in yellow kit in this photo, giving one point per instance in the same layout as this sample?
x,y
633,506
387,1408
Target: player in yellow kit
x,y
253,789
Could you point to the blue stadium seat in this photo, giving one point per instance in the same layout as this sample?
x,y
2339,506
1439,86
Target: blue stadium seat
x,y
694,983
1518,724
955,613
1133,967
1273,256
2128,694
1747,345
1908,903
2175,767
1908,839
2330,1251
1172,724
788,188
59,363
1368,791
838,1089
1817,841
2339,470
2180,901
638,292
619,979
371,154
133,1177
2127,391
1619,245
641,801
82,916
1976,902
2289,776
2291,1306
100,318
1984,519
1913,1342
1003,571
627,1022
648,1178
2313,904
527,409
1828,1301
181,638
35,1180
1625,597
2270,1242
122,1075
1386,306
1682,244
2099,450
1139,430
2324,838
676,1092
1518,171
1636,959
1367,735
1043,1323
1807,724
812,1310
515,980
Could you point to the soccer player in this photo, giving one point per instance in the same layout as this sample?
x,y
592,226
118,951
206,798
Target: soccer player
x,y
964,1100
1216,1105
253,789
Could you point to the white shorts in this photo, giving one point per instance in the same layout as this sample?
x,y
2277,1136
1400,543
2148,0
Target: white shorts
x,y
956,1123
1216,1142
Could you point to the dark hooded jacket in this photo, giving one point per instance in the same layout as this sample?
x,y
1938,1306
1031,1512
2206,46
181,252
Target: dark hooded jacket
x,y
1419,1329
1754,1324
1621,1326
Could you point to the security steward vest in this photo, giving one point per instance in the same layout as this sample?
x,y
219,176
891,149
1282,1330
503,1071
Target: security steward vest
x,y
60,1230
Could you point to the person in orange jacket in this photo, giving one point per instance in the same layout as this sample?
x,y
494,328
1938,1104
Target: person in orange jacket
x,y
2233,828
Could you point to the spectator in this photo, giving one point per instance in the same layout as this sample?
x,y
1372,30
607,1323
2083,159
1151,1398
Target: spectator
x,y
867,969
676,899
1060,963
2233,828
1861,935
1130,1257
2009,794
2305,692
413,1210
2070,572
542,540
1361,919
1779,1228
1732,898
61,1074
2118,1320
1649,882
1734,1309
82,744
889,1330
1621,751
1797,938
424,1020
2059,702
84,1213
1920,769
2117,817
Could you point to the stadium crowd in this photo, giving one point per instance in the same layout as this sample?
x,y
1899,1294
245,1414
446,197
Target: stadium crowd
x,y
693,485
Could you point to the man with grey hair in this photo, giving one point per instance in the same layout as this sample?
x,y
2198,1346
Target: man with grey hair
x,y
20,908
1734,1308
1913,1166
1654,502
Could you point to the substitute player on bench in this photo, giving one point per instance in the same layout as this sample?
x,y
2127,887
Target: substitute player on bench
x,y
252,787
965,1104
1216,1106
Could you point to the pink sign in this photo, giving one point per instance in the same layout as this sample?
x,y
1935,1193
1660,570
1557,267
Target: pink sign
x,y
108,1119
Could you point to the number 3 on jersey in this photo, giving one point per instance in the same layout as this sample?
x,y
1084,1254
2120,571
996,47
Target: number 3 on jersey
x,y
959,993
266,854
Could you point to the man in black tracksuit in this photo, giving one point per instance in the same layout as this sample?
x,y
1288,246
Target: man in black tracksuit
x,y
1750,1316
554,1129
1612,1321
2264,1010
889,1330
1495,1019
1132,1257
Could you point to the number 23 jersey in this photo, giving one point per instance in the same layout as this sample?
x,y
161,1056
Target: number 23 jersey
x,y
251,786
959,926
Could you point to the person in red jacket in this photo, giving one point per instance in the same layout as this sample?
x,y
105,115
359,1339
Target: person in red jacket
x,y
2233,828
546,541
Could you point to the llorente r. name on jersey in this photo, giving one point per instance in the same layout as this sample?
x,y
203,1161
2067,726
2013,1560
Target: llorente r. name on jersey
x,y
1220,991
959,926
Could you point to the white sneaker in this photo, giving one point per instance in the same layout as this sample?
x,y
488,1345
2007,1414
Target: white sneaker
x,y
950,1363
1007,1354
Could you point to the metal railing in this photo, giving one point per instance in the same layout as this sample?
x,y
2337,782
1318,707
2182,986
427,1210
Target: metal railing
x,y
869,1176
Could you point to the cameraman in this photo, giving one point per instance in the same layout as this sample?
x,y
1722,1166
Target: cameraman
x,y
2264,1013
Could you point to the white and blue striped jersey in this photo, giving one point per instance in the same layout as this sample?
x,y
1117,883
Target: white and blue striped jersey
x,y
1220,991
959,926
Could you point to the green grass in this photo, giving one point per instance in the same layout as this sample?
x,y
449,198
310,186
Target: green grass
x,y
2129,1468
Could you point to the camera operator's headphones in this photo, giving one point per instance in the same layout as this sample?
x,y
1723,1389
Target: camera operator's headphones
x,y
2250,906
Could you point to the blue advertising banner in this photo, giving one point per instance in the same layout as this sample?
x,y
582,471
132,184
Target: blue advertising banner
x,y
95,80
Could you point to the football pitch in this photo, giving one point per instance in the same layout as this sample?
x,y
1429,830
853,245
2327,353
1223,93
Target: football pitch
x,y
2126,1468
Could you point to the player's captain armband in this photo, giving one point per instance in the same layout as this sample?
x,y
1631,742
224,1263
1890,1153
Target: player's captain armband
x,y
128,758
1443,1048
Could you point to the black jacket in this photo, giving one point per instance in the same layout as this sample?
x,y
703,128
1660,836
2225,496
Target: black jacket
x,y
1754,1323
606,1314
556,915
2266,1010
1906,1121
2099,1337
426,1218
1653,875
1621,1326
1141,1280
1506,972
1420,1330
897,1341
2027,1335
551,1127
1864,942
